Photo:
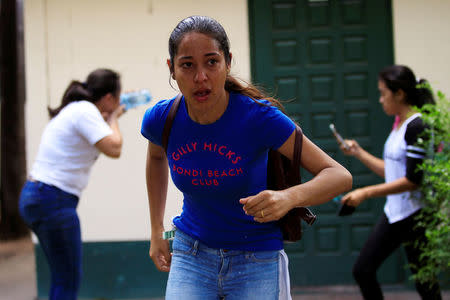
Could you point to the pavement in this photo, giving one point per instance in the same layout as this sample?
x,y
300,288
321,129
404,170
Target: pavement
x,y
18,280
17,270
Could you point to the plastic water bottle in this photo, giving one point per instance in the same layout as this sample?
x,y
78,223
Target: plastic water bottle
x,y
134,99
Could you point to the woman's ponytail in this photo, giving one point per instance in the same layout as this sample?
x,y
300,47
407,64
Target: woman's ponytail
x,y
76,91
234,85
423,93
99,83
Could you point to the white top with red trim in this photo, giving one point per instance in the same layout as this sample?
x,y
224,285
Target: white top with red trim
x,y
401,157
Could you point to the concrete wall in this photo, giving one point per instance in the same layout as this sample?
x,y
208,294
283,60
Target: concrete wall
x,y
421,39
67,39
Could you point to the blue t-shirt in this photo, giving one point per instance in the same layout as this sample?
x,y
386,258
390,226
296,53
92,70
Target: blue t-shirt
x,y
217,164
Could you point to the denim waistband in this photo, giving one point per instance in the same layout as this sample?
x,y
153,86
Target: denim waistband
x,y
199,246
32,183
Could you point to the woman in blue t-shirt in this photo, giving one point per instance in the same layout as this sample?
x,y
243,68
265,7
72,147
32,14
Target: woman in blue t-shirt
x,y
227,243
398,96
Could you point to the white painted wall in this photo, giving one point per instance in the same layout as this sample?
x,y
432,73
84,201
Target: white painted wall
x,y
422,40
67,39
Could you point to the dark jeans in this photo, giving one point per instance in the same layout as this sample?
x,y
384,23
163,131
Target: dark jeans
x,y
51,214
382,242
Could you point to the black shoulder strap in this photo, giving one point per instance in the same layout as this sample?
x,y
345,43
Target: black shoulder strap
x,y
169,121
305,213
297,152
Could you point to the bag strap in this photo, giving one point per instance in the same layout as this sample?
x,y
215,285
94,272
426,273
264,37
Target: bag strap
x,y
295,166
305,213
169,121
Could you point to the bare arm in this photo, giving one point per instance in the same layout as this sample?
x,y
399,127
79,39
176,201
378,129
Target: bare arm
x,y
330,179
111,145
374,163
157,179
357,196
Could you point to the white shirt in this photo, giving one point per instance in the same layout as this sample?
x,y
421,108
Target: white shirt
x,y
402,205
67,150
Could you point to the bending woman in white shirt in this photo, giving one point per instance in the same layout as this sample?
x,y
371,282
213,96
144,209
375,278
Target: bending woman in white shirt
x,y
398,95
82,127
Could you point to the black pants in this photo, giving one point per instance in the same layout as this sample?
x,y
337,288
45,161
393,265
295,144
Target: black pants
x,y
382,242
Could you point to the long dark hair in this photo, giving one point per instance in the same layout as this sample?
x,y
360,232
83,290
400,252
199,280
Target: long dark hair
x,y
213,29
98,83
398,77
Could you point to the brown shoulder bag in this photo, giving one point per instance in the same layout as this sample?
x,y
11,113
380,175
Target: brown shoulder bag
x,y
283,173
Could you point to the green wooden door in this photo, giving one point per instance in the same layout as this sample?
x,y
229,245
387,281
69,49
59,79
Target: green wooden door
x,y
323,57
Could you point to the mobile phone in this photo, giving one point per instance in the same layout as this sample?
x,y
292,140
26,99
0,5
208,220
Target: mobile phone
x,y
338,137
345,210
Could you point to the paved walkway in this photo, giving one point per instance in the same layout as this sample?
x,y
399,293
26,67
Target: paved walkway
x,y
17,270
18,281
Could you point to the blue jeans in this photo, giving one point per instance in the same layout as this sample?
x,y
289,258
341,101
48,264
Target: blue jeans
x,y
382,242
51,214
200,272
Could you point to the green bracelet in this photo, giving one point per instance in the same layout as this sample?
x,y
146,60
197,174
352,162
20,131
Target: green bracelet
x,y
168,235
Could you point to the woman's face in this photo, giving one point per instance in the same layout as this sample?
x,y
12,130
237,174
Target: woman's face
x,y
109,103
388,99
200,70
115,101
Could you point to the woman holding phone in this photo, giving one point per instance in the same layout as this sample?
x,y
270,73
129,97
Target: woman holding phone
x,y
399,95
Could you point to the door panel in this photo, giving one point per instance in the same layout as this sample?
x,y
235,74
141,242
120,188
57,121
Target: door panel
x,y
322,59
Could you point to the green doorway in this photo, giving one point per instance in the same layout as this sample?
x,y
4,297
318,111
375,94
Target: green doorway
x,y
323,58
